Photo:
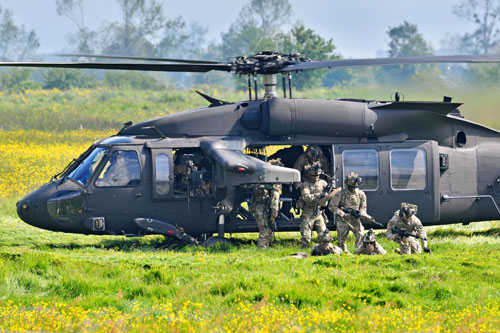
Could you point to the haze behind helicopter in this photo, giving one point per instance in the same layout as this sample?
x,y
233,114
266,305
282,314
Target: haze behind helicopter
x,y
358,27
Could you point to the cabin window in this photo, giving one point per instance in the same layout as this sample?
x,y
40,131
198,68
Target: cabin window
x,y
408,169
162,175
83,172
122,169
365,163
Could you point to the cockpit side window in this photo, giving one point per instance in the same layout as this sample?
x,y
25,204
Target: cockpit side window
x,y
122,169
85,169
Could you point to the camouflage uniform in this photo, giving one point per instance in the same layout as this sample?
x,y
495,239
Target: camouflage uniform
x,y
410,224
312,217
369,245
350,198
325,247
264,206
311,156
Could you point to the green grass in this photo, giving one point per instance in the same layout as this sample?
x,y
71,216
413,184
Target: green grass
x,y
76,282
96,272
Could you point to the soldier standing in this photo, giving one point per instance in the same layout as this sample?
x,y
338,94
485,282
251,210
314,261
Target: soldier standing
x,y
264,206
369,245
325,247
404,228
349,205
312,218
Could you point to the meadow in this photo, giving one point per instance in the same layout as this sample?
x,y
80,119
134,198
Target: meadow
x,y
64,282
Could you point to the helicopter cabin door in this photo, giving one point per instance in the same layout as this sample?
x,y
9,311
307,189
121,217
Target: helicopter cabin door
x,y
393,173
181,188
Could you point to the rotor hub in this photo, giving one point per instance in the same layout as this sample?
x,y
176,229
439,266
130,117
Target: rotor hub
x,y
267,62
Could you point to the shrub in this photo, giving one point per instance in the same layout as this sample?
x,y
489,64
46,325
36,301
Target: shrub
x,y
65,79
133,80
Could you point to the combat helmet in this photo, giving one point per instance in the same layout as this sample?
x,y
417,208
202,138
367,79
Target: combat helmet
x,y
313,151
369,237
407,210
325,236
352,180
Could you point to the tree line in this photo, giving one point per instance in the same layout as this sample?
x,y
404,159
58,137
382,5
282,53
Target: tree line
x,y
143,29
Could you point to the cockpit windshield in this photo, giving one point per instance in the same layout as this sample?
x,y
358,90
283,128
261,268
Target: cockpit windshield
x,y
83,171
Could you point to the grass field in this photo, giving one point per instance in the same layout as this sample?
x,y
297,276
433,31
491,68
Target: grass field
x,y
63,282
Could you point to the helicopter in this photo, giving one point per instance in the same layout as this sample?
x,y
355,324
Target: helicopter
x,y
189,175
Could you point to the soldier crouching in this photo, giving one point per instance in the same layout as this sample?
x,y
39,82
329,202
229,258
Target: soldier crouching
x,y
405,228
325,247
369,245
312,218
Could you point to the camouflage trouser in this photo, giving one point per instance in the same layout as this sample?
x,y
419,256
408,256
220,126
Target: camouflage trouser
x,y
343,231
308,223
409,245
266,235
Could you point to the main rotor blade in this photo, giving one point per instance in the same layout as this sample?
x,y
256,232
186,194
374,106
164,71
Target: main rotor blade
x,y
342,63
109,56
196,68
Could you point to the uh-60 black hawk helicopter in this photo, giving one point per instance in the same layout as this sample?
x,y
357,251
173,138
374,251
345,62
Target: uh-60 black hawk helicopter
x,y
188,173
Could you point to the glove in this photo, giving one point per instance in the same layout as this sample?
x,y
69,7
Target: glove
x,y
427,250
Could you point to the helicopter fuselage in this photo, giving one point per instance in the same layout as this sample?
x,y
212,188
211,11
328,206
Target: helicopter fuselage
x,y
193,171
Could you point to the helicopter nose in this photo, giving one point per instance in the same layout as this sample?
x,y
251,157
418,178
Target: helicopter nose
x,y
32,209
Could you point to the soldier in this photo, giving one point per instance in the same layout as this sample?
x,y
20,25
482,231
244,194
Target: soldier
x,y
311,192
264,206
325,247
404,228
369,245
349,205
312,155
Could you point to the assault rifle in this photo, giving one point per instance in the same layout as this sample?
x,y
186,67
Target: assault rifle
x,y
357,215
405,234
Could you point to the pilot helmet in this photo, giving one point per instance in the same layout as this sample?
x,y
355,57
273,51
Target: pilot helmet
x,y
325,237
407,210
118,154
353,180
369,237
313,152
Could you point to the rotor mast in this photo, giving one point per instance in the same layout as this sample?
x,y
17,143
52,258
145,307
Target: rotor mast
x,y
270,84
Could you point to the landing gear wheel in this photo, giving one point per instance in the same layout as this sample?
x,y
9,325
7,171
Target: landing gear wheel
x,y
217,240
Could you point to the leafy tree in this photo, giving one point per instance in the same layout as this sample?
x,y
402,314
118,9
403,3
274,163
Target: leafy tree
x,y
180,39
85,39
406,41
17,80
485,14
64,79
308,43
256,28
16,43
141,20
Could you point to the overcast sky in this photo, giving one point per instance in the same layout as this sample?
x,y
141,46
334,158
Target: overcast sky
x,y
358,27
